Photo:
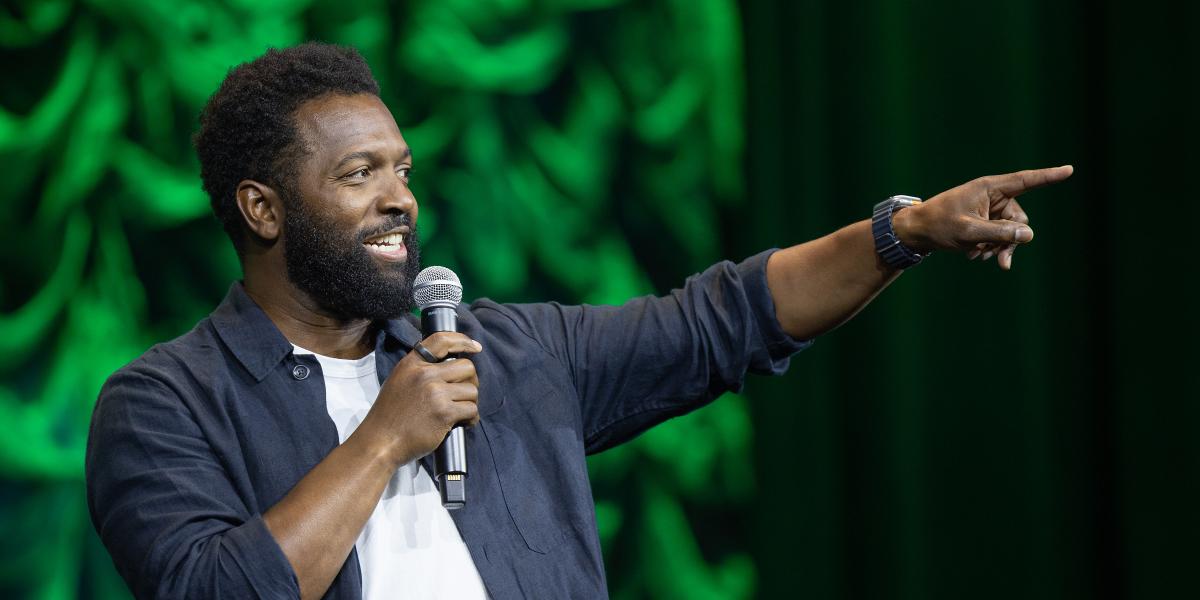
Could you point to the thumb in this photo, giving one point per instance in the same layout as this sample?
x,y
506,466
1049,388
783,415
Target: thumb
x,y
998,231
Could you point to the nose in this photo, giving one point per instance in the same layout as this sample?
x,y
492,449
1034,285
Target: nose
x,y
398,198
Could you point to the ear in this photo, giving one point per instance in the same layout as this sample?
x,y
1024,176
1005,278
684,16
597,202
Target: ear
x,y
262,209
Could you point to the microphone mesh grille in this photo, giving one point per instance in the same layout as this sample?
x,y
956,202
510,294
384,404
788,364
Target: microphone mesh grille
x,y
437,285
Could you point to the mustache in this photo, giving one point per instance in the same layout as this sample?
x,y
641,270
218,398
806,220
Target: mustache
x,y
391,223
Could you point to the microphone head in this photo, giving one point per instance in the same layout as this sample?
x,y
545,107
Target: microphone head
x,y
437,286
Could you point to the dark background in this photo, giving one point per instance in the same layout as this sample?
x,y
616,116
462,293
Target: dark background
x,y
976,433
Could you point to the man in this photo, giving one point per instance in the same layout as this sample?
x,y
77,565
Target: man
x,y
279,449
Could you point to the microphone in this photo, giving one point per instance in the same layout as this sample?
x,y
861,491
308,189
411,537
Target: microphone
x,y
437,292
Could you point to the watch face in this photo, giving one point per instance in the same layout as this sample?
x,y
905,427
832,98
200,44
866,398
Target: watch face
x,y
905,200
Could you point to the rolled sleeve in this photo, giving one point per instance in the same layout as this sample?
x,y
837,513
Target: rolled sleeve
x,y
778,344
164,505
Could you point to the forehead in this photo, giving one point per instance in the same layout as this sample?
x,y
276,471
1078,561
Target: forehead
x,y
334,125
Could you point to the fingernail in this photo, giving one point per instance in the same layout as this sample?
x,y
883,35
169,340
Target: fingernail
x,y
478,346
1023,234
987,255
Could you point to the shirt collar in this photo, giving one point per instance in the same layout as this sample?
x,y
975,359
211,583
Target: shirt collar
x,y
257,343
403,331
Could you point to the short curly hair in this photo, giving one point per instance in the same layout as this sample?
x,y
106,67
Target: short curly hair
x,y
248,128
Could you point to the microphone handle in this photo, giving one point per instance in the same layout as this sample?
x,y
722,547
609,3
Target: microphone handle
x,y
450,457
450,460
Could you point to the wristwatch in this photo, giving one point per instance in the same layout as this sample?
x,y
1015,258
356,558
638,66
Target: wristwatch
x,y
891,250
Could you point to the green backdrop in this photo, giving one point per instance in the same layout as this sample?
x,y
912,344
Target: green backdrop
x,y
972,434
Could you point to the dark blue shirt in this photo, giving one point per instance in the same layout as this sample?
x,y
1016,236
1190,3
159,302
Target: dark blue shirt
x,y
192,442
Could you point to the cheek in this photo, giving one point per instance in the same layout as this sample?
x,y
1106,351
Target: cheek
x,y
348,211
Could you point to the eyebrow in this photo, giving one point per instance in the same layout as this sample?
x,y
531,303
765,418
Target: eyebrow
x,y
367,155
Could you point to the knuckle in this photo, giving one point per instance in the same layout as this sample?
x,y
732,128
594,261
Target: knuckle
x,y
426,374
444,412
435,394
472,411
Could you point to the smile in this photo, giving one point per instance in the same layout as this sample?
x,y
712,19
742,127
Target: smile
x,y
388,247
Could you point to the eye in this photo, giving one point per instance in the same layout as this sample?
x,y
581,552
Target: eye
x,y
360,173
404,173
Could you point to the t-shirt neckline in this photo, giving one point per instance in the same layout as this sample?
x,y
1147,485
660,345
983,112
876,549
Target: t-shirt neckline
x,y
346,368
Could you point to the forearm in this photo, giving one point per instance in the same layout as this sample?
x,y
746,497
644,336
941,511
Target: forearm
x,y
822,283
317,523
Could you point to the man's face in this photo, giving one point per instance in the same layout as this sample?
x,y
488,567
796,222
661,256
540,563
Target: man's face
x,y
349,237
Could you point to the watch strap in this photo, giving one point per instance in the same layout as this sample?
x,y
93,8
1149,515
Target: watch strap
x,y
891,250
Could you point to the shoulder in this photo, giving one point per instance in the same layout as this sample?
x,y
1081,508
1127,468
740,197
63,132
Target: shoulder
x,y
176,366
157,396
494,315
519,324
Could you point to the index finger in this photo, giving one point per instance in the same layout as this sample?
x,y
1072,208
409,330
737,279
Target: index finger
x,y
1013,184
445,343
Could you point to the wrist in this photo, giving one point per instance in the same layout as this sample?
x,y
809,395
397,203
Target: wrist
x,y
910,229
891,248
387,450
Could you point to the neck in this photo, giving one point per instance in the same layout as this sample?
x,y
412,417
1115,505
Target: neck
x,y
303,321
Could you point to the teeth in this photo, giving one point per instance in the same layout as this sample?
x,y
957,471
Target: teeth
x,y
393,239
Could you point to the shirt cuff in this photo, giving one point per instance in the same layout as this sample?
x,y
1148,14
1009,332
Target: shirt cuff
x,y
780,345
265,565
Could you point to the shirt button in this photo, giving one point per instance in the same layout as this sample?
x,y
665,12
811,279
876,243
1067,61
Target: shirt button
x,y
300,372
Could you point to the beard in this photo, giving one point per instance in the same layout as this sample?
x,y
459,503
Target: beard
x,y
335,269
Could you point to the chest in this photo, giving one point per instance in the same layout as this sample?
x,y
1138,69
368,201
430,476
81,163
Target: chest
x,y
527,486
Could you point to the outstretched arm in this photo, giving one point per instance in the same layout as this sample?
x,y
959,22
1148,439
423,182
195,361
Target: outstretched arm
x,y
820,284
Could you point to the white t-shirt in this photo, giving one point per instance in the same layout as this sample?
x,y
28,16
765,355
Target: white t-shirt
x,y
410,547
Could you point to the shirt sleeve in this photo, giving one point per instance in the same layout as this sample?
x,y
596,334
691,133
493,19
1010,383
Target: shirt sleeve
x,y
653,358
164,506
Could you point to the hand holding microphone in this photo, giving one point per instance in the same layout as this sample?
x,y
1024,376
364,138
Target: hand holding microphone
x,y
420,401
432,391
437,292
